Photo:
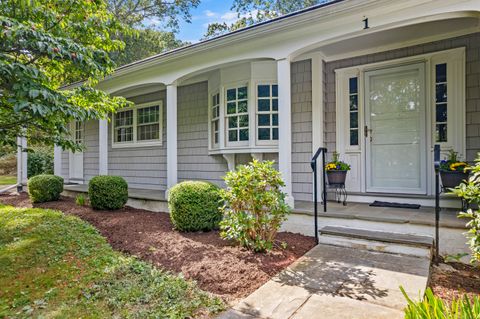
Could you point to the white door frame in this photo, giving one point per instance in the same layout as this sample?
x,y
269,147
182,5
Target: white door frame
x,y
423,134
75,163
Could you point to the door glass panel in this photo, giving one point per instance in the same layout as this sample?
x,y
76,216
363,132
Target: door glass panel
x,y
396,119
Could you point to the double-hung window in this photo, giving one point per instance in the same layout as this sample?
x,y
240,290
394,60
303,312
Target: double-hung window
x,y
267,112
141,125
237,121
215,124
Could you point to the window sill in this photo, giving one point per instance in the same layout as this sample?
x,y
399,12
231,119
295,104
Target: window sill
x,y
243,150
137,144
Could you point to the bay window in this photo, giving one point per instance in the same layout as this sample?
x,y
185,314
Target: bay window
x,y
215,123
138,126
237,122
267,112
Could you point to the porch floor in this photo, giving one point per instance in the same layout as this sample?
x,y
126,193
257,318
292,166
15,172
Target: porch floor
x,y
423,216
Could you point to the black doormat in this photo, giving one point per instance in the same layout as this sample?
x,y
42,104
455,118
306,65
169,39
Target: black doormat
x,y
394,205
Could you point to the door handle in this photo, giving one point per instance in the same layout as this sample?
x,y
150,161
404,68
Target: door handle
x,y
367,131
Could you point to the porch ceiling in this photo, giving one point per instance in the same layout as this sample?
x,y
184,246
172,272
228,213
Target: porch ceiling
x,y
399,37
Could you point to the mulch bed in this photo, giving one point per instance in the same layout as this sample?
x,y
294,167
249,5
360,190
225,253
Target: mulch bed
x,y
218,266
453,280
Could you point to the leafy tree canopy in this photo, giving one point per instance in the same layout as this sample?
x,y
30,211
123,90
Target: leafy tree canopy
x,y
254,11
144,43
135,12
45,44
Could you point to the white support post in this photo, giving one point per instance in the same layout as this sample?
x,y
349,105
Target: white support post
x,y
171,136
103,147
285,126
57,160
318,124
21,163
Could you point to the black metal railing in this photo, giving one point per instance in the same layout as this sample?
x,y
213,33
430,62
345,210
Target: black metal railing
x,y
313,164
436,161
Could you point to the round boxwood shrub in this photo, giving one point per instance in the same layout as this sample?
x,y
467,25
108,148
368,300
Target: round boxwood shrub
x,y
45,188
108,192
194,206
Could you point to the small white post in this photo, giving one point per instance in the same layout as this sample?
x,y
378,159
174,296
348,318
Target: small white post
x,y
57,160
285,126
103,147
21,163
171,136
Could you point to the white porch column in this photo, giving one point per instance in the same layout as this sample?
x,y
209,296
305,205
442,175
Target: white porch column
x,y
171,135
21,163
285,126
57,160
103,147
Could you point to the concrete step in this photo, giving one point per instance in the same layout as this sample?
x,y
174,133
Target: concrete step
x,y
395,243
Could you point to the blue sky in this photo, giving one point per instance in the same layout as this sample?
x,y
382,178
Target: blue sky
x,y
207,12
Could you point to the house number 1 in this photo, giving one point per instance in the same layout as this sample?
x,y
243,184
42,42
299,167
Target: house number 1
x,y
365,23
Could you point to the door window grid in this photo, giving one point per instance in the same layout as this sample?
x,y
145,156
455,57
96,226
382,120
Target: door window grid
x,y
237,114
267,112
215,118
441,102
353,110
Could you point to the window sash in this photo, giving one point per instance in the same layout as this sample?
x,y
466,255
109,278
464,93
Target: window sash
x,y
441,102
266,106
237,115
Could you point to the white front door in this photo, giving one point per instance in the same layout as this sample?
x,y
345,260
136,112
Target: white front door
x,y
76,159
395,135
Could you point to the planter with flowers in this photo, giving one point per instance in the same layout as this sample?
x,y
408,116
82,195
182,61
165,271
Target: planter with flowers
x,y
453,171
336,170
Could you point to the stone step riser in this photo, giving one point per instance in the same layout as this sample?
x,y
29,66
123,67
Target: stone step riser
x,y
372,245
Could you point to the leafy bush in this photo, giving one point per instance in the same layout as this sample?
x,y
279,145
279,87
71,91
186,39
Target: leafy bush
x,y
470,191
8,164
195,206
434,307
255,205
108,192
45,188
80,200
40,161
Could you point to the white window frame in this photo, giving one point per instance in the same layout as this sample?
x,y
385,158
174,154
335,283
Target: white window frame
x,y
226,116
270,142
135,142
212,119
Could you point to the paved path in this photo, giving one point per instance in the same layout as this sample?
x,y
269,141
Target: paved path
x,y
336,282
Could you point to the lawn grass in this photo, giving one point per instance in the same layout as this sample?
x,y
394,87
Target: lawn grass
x,y
8,180
58,266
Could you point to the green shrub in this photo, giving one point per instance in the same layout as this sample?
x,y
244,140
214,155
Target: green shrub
x,y
45,188
195,206
254,205
470,191
107,192
40,161
433,307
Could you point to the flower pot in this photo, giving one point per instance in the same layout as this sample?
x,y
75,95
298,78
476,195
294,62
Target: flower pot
x,y
451,179
336,177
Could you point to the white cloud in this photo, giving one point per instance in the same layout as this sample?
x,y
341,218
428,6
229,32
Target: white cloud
x,y
209,13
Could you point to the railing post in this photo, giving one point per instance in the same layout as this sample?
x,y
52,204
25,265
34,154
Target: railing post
x,y
324,182
436,157
314,167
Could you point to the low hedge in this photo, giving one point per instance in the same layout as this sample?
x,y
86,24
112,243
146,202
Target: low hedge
x,y
107,192
194,206
45,188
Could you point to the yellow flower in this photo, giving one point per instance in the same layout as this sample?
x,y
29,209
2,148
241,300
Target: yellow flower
x,y
453,166
330,166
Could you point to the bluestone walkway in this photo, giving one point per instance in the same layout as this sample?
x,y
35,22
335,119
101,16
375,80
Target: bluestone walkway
x,y
336,282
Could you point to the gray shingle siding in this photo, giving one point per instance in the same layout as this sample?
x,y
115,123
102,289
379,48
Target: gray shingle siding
x,y
194,163
142,167
65,162
472,44
301,77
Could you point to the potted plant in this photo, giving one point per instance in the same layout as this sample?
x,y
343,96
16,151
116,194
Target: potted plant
x,y
453,171
336,170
